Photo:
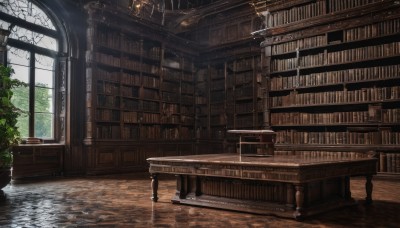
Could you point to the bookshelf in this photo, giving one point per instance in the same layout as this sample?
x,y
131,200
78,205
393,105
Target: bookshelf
x,y
139,93
333,82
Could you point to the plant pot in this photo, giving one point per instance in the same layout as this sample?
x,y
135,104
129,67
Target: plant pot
x,y
5,177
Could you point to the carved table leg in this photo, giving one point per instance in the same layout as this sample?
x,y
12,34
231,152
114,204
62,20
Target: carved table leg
x,y
368,189
290,196
299,201
154,187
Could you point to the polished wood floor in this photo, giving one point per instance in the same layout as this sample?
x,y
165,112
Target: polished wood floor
x,y
124,201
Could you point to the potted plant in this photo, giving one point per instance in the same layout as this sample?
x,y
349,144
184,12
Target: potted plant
x,y
9,134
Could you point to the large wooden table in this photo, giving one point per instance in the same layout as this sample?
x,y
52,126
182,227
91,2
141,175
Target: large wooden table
x,y
287,186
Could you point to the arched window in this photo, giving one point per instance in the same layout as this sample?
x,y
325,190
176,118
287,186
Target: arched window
x,y
33,51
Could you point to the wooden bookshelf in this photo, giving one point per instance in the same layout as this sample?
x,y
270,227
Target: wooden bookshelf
x,y
139,92
333,82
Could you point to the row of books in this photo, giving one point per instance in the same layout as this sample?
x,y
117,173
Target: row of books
x,y
170,109
363,53
108,101
187,110
389,137
338,5
130,91
106,59
149,94
389,162
170,119
109,39
217,108
130,132
170,87
134,132
112,76
187,77
337,57
296,13
243,78
200,100
187,88
150,106
244,122
244,107
150,118
151,82
330,97
298,118
126,44
108,132
284,64
218,119
134,65
130,117
150,132
187,99
244,64
311,154
308,42
298,137
187,120
130,104
217,73
217,96
170,97
217,85
131,79
335,77
312,60
247,91
170,133
107,115
171,75
107,88
372,30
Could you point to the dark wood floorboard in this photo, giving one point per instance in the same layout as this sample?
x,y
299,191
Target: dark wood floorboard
x,y
124,201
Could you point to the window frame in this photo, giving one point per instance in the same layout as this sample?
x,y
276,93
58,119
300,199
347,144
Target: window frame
x,y
56,55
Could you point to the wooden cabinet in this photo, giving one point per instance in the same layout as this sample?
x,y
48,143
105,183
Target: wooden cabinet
x,y
334,79
37,160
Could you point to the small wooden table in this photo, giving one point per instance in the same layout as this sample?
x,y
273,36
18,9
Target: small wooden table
x,y
287,186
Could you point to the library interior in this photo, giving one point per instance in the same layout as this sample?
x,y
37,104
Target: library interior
x,y
199,113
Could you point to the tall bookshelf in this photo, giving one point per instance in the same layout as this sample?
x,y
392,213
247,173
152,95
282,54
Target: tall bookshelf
x,y
228,96
139,94
334,79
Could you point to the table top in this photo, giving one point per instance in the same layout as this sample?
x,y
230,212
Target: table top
x,y
290,169
276,160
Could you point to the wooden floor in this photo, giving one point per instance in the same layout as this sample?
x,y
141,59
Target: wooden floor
x,y
124,201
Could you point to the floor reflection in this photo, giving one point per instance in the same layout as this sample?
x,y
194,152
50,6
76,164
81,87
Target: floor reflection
x,y
124,201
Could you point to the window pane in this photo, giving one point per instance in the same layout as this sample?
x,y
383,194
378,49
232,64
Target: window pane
x,y
44,62
34,38
44,78
43,100
44,125
23,125
18,56
20,72
27,11
20,98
